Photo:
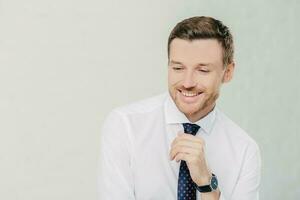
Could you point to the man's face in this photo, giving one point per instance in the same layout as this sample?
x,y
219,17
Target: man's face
x,y
195,74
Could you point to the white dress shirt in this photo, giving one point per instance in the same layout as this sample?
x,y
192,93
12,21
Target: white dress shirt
x,y
136,140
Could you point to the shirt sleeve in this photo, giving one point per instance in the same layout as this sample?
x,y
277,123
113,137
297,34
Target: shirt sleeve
x,y
115,180
247,186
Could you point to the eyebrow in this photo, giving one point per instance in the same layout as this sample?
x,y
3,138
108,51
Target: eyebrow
x,y
199,64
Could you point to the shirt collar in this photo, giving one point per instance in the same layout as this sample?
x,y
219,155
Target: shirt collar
x,y
174,116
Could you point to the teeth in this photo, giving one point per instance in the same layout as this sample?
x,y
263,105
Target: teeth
x,y
187,94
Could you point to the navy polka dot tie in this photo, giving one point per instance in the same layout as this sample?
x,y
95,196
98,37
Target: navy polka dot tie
x,y
186,189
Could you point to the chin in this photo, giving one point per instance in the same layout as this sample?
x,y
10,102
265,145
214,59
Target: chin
x,y
188,109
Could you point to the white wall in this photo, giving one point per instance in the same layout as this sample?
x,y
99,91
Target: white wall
x,y
65,64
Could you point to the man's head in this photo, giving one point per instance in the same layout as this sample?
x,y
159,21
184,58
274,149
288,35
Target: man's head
x,y
200,59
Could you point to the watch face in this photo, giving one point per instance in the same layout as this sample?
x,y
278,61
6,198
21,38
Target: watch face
x,y
214,183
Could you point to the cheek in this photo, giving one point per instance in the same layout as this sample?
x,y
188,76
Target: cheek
x,y
213,87
209,84
173,79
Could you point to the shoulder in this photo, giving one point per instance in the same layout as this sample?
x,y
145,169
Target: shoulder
x,y
135,109
123,117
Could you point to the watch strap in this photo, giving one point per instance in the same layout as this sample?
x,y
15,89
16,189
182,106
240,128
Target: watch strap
x,y
205,188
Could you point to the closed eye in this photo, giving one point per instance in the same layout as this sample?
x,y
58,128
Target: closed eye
x,y
177,68
204,71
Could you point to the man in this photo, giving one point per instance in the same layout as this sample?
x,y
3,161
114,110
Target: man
x,y
179,145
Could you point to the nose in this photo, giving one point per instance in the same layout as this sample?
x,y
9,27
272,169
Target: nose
x,y
188,79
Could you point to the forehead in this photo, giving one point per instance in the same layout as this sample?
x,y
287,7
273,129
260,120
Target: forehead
x,y
196,51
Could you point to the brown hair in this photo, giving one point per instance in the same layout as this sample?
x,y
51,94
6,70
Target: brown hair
x,y
204,28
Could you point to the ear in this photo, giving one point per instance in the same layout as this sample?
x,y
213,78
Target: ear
x,y
228,74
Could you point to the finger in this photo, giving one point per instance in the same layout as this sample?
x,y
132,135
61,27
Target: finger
x,y
181,140
184,149
195,148
188,158
181,156
191,137
186,143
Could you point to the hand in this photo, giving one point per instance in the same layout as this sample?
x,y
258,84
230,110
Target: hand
x,y
191,149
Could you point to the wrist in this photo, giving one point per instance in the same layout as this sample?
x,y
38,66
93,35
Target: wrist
x,y
211,186
204,180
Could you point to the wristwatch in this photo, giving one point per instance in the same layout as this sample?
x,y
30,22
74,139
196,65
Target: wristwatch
x,y
210,187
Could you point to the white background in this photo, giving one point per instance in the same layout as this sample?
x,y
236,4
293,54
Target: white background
x,y
65,64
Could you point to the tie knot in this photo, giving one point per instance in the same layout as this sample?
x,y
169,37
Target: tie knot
x,y
190,128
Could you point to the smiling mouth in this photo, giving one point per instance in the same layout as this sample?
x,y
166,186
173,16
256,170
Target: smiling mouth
x,y
189,94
